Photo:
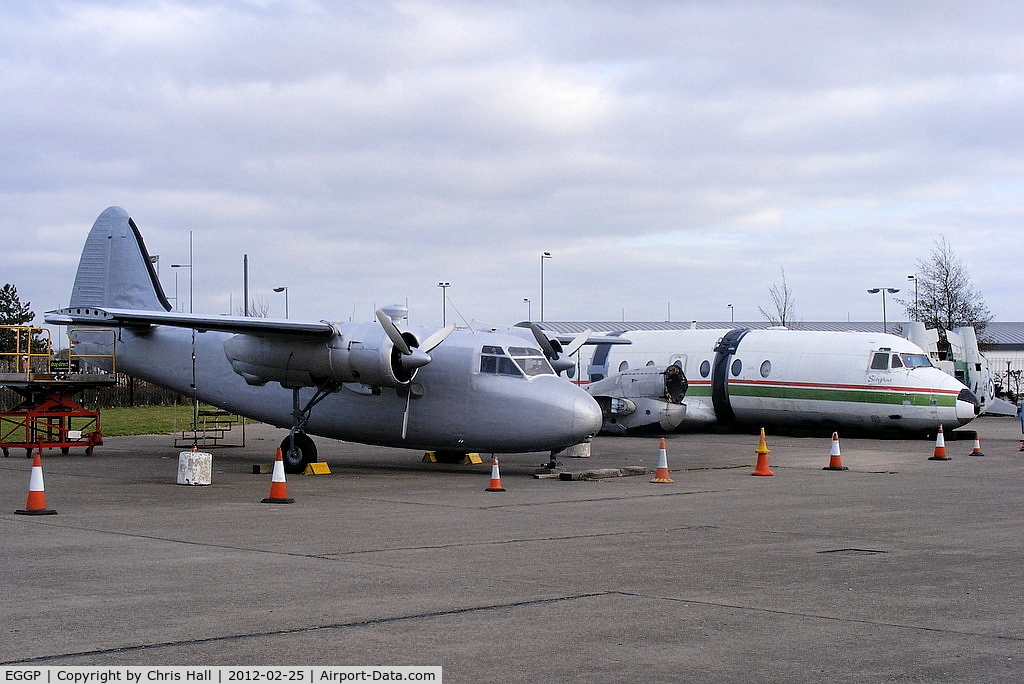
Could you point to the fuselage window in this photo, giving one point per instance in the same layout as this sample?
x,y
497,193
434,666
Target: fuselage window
x,y
624,366
737,368
880,361
705,368
766,368
494,361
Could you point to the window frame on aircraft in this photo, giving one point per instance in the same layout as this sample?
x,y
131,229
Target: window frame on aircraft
x,y
913,360
495,361
530,361
886,360
705,368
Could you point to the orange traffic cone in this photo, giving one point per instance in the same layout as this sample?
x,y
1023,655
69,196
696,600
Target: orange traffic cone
x,y
762,458
940,448
835,461
495,485
976,451
278,487
36,502
662,474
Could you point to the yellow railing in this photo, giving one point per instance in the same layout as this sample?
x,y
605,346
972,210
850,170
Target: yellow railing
x,y
26,357
73,356
30,352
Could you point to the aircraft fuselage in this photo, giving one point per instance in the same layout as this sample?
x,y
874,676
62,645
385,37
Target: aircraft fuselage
x,y
797,378
453,405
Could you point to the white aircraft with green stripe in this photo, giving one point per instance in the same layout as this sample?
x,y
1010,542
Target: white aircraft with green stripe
x,y
869,382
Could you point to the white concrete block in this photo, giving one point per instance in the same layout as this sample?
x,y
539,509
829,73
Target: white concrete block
x,y
195,468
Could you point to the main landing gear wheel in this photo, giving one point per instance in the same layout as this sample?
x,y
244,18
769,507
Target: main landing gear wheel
x,y
296,459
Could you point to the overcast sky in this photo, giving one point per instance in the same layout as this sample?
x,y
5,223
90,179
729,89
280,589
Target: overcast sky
x,y
673,157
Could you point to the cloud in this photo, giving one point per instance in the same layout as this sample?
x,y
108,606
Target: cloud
x,y
362,152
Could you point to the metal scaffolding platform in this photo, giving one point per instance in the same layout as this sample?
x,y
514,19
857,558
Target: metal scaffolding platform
x,y
48,416
212,427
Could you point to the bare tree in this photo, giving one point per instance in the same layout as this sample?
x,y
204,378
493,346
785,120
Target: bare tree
x,y
782,301
258,308
944,296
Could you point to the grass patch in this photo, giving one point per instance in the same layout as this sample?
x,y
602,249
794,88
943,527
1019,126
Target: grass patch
x,y
145,420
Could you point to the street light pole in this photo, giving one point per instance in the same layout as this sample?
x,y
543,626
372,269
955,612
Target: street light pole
x,y
917,312
189,267
529,308
545,255
245,283
444,290
883,290
732,313
285,290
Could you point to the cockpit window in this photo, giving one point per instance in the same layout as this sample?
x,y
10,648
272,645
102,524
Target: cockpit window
x,y
885,360
494,361
915,360
532,361
525,361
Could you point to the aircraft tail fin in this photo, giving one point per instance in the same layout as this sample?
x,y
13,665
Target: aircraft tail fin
x,y
116,270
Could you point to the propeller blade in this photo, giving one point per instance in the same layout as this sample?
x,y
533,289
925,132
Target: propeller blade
x,y
578,342
393,332
544,342
405,416
412,389
437,338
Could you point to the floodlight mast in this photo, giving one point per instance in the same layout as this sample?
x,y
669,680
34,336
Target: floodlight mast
x,y
883,290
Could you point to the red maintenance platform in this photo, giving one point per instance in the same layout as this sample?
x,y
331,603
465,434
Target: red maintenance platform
x,y
48,415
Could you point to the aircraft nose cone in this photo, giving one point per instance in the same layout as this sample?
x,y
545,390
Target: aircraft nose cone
x,y
586,417
967,406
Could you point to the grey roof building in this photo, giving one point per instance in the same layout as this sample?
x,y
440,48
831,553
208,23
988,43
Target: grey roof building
x,y
997,335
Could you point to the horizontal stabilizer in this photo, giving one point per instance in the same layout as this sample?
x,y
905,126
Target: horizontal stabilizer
x,y
233,324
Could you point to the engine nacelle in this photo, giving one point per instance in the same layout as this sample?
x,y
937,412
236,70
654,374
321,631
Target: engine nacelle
x,y
640,398
667,385
369,358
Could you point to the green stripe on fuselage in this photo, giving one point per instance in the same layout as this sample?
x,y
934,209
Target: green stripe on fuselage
x,y
859,396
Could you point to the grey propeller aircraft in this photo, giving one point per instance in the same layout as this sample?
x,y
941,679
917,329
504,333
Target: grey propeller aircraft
x,y
451,391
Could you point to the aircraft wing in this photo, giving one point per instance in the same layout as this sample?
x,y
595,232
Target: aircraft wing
x,y
521,330
232,324
593,339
